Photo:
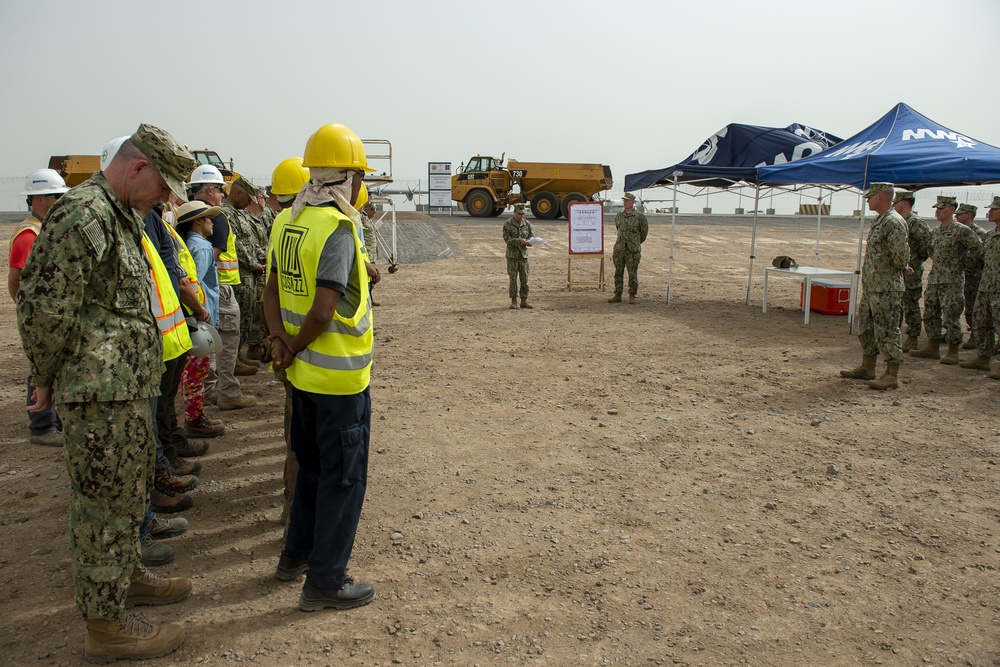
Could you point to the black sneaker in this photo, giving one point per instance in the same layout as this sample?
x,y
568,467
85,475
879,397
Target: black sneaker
x,y
348,596
289,568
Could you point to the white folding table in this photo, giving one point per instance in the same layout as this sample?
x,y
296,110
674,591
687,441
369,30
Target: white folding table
x,y
807,274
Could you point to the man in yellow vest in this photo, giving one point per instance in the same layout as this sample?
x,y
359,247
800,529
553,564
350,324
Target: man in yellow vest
x,y
318,310
43,188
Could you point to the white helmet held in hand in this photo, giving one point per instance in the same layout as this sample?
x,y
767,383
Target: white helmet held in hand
x,y
205,340
205,174
44,182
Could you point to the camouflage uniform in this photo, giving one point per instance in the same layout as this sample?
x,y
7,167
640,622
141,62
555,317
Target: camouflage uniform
x,y
973,275
517,254
368,227
919,240
85,320
953,248
248,294
987,304
632,230
879,315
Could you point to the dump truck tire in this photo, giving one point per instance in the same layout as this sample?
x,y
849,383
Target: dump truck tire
x,y
545,206
479,204
569,199
497,211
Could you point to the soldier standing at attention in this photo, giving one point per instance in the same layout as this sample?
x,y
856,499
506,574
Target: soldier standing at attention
x,y
919,239
516,232
632,230
952,247
987,304
966,214
880,312
43,188
84,314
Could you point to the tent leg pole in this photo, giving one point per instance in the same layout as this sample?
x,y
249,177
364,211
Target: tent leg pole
x,y
753,242
819,223
673,222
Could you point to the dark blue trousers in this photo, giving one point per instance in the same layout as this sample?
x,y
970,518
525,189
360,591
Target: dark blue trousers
x,y
330,436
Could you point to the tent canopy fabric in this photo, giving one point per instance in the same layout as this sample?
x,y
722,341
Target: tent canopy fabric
x,y
733,154
903,147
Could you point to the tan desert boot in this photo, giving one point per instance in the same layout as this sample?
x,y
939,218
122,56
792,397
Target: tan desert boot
x,y
525,304
890,380
617,298
147,588
932,351
513,304
979,363
130,638
866,371
910,343
951,358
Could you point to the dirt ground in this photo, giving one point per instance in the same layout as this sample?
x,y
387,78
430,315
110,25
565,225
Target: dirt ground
x,y
583,483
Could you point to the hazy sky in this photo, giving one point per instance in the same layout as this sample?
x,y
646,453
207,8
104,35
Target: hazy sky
x,y
633,84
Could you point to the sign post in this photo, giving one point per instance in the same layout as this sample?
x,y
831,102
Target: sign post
x,y
586,238
438,186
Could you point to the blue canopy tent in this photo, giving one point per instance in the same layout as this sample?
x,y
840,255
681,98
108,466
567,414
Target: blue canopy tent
x,y
903,147
730,158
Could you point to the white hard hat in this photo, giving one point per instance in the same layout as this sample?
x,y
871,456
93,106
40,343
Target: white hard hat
x,y
206,174
44,182
205,340
110,150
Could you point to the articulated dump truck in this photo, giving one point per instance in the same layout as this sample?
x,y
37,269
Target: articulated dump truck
x,y
486,188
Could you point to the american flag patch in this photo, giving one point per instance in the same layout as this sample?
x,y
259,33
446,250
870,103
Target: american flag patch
x,y
94,233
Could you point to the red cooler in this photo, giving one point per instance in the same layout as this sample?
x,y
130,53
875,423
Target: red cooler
x,y
831,297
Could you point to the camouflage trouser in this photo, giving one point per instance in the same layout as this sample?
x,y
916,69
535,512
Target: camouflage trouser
x,y
109,454
248,295
625,258
987,311
943,303
517,267
970,292
911,303
878,325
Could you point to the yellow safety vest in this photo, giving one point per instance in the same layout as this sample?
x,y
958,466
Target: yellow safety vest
x,y
339,361
228,264
32,223
166,306
187,263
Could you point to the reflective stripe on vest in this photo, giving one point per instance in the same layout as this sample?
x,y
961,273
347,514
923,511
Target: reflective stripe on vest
x,y
228,264
166,306
187,263
32,223
339,361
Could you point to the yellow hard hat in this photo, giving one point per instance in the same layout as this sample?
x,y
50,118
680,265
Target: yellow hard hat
x,y
335,146
289,176
362,197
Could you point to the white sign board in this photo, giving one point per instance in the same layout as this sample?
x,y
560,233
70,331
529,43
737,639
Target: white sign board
x,y
586,228
440,198
439,185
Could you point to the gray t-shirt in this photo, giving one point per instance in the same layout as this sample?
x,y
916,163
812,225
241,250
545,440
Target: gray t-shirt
x,y
336,269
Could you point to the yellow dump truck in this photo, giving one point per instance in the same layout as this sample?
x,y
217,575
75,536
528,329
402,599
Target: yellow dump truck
x,y
485,187
75,169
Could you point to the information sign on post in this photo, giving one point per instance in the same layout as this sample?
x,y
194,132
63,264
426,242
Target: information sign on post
x,y
439,186
586,238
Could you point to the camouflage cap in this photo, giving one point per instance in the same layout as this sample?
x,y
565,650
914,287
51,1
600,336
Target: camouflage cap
x,y
244,184
878,188
996,202
945,202
172,159
967,208
904,195
520,208
629,196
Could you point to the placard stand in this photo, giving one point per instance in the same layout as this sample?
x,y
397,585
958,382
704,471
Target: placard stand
x,y
586,239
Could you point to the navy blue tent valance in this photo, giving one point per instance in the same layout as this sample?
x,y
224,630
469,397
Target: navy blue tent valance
x,y
903,147
734,153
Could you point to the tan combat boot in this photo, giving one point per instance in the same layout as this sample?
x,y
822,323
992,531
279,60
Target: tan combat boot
x,y
910,343
243,368
866,371
238,403
932,351
130,637
951,358
995,375
970,344
979,364
632,298
525,304
617,298
513,304
889,380
147,588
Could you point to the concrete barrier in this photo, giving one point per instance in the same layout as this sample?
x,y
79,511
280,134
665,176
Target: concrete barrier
x,y
813,209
